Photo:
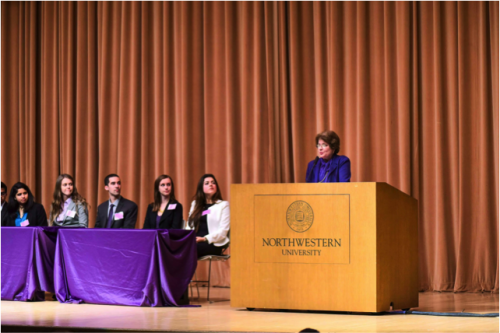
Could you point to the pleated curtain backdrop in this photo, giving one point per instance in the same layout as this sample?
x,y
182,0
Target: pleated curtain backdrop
x,y
240,89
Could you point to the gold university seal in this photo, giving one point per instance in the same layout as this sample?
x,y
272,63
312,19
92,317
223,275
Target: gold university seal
x,y
299,216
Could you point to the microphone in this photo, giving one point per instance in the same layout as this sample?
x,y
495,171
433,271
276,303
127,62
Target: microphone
x,y
315,162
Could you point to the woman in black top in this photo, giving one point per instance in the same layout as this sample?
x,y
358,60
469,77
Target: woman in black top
x,y
23,210
165,212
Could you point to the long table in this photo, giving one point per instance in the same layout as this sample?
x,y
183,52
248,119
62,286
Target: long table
x,y
27,262
100,266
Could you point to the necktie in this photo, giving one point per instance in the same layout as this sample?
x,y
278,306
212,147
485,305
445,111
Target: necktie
x,y
110,216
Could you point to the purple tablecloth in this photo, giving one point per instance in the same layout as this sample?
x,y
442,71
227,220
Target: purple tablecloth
x,y
27,262
124,267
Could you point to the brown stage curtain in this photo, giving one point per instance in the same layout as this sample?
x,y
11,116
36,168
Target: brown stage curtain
x,y
239,89
20,95
457,176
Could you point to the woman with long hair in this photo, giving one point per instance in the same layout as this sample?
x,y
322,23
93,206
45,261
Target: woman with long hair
x,y
165,212
23,210
209,216
68,208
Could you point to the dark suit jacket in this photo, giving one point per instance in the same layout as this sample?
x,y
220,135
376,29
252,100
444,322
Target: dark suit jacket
x,y
171,219
37,217
129,209
5,214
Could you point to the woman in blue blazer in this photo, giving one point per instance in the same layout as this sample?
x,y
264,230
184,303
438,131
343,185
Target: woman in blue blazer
x,y
165,212
328,167
23,210
68,208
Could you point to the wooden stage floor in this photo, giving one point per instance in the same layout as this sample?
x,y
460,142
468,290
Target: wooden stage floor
x,y
51,316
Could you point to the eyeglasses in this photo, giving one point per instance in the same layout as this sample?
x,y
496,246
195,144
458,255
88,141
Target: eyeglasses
x,y
4,193
324,145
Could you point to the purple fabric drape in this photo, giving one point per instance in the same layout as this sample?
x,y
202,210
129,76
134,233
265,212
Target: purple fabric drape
x,y
124,267
27,262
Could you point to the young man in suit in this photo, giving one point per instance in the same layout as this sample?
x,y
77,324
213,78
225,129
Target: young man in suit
x,y
4,204
117,212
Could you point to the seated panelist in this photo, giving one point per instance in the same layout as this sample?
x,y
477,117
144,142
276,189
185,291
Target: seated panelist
x,y
209,216
23,210
117,212
328,167
165,212
5,211
68,208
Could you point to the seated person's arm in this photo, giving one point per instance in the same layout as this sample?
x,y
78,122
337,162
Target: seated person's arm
x,y
131,218
83,219
223,229
177,218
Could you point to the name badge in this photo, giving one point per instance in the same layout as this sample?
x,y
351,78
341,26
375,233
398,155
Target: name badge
x,y
205,212
172,206
119,216
71,213
25,223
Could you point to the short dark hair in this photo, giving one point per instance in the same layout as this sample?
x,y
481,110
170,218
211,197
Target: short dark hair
x,y
331,138
4,186
106,180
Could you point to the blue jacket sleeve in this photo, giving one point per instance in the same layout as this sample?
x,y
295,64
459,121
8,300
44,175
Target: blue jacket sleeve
x,y
309,167
345,170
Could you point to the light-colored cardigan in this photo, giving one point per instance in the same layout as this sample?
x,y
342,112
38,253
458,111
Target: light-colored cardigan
x,y
80,219
217,222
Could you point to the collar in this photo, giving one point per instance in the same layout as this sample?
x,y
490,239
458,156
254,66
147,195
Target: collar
x,y
117,201
327,162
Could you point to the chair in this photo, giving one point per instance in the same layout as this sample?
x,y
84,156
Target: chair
x,y
210,258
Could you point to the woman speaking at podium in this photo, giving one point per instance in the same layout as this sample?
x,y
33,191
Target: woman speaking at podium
x,y
328,167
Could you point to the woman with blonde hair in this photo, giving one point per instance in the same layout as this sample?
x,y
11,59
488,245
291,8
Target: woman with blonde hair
x,y
68,208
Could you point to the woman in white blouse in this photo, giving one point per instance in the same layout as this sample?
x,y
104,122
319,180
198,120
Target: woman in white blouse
x,y
209,216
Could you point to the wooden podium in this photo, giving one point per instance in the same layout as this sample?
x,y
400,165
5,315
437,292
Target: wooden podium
x,y
325,247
